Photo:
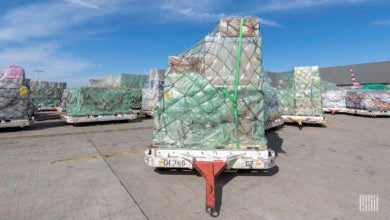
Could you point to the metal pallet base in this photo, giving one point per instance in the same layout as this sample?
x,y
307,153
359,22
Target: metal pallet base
x,y
184,158
16,123
304,119
357,112
98,118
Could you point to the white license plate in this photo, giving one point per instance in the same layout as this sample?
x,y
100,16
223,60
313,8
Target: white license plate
x,y
172,163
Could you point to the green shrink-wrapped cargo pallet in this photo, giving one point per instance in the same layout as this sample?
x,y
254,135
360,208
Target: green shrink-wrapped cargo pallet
x,y
133,82
85,101
46,94
213,93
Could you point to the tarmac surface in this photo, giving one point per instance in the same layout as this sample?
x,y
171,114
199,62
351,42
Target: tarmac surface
x,y
53,170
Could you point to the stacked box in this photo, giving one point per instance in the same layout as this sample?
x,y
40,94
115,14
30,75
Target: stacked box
x,y
153,89
300,94
372,100
14,101
96,83
86,101
308,91
334,99
198,108
46,94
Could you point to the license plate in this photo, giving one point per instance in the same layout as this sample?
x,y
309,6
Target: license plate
x,y
172,163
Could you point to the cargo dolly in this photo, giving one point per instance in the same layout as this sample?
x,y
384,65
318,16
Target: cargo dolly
x,y
210,164
97,118
300,120
9,123
383,112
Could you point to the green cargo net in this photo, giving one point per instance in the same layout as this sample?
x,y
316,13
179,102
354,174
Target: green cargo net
x,y
197,109
97,101
133,82
46,94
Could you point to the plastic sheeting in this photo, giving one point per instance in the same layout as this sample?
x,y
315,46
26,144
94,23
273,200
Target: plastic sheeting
x,y
197,108
300,92
372,100
334,99
46,94
13,74
133,82
14,101
85,101
271,101
153,89
125,81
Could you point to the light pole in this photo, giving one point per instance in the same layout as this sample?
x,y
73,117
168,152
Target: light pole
x,y
38,71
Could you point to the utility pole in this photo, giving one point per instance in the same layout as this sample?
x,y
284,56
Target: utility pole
x,y
38,71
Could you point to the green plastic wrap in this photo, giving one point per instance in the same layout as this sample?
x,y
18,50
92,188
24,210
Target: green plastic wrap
x,y
133,82
205,103
85,101
272,111
125,81
46,94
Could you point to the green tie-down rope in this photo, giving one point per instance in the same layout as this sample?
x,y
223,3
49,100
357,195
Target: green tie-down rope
x,y
237,77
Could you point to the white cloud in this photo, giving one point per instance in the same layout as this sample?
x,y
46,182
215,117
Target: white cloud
x,y
279,5
181,13
382,22
46,57
84,4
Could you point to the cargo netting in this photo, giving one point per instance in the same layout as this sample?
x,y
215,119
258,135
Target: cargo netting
x,y
334,99
133,82
153,90
95,101
46,94
213,93
371,100
14,101
299,93
14,94
272,112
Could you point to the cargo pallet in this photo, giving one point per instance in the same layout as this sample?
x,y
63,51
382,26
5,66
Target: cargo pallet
x,y
147,112
357,111
300,120
5,123
210,163
46,108
97,118
273,123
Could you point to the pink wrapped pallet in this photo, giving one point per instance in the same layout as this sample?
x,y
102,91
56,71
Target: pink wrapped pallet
x,y
13,74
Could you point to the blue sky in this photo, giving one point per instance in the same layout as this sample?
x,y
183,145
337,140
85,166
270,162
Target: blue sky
x,y
75,40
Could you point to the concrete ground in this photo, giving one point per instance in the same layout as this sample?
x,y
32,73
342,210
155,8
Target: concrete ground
x,y
57,171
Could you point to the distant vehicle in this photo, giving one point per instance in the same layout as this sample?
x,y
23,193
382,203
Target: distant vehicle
x,y
357,85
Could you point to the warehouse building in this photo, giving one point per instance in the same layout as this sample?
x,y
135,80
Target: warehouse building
x,y
366,73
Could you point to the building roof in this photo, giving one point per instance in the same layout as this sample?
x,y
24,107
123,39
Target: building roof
x,y
366,73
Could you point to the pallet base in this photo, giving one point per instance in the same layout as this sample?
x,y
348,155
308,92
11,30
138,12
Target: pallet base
x,y
16,123
304,119
98,118
357,112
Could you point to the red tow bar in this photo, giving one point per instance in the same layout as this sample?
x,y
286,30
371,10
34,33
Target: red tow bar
x,y
210,170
